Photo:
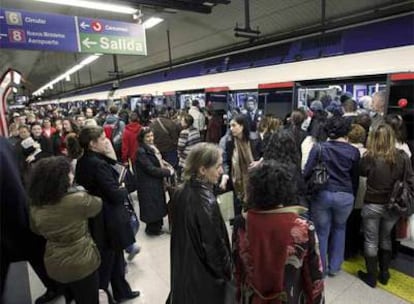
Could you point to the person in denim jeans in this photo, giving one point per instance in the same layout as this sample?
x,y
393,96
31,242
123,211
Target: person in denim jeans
x,y
332,204
383,165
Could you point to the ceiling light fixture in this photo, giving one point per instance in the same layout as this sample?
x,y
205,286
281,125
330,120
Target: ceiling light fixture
x,y
66,75
95,5
151,22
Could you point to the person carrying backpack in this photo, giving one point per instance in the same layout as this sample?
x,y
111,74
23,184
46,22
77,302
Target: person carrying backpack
x,y
114,128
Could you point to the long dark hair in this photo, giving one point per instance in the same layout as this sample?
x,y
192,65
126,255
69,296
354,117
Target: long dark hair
x,y
49,180
281,146
397,124
242,120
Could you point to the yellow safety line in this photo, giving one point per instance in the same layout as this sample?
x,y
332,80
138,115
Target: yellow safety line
x,y
400,284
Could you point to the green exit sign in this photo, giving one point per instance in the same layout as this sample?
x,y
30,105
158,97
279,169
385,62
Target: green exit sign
x,y
107,44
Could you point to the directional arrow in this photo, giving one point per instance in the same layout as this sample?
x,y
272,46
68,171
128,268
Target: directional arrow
x,y
84,25
86,42
3,35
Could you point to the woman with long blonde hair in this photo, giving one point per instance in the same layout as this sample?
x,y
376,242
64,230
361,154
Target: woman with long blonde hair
x,y
383,164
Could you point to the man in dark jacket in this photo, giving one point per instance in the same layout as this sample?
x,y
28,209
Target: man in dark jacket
x,y
166,133
18,242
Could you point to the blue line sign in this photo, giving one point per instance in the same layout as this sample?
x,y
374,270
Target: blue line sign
x,y
37,31
53,32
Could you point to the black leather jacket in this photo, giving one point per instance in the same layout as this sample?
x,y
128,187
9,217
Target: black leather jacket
x,y
200,249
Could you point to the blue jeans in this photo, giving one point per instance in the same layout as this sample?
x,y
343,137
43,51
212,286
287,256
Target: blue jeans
x,y
329,212
135,227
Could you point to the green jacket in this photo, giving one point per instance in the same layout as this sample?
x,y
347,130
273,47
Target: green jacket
x,y
71,253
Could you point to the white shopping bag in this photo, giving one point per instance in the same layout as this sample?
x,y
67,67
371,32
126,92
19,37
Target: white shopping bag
x,y
225,202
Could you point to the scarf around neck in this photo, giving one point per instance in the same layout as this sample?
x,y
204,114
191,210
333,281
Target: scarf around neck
x,y
241,159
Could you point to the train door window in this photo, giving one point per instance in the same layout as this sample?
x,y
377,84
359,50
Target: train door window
x,y
171,101
159,103
237,99
217,100
277,98
325,94
277,102
187,97
331,90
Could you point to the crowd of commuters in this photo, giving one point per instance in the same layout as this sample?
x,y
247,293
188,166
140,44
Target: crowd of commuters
x,y
78,170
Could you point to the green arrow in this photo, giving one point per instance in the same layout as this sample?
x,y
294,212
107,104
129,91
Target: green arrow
x,y
86,42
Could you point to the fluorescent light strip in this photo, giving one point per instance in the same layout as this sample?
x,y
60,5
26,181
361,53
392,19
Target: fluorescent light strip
x,y
74,69
94,5
151,22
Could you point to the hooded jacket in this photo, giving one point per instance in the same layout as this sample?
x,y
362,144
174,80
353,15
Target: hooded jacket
x,y
130,142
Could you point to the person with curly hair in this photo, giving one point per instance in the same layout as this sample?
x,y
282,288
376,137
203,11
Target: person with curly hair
x,y
281,146
332,204
275,250
60,212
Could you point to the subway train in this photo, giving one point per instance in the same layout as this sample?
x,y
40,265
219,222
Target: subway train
x,y
281,87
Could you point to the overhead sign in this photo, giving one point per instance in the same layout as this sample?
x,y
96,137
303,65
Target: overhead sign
x,y
111,37
36,31
52,32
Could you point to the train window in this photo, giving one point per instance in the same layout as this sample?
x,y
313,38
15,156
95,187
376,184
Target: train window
x,y
277,102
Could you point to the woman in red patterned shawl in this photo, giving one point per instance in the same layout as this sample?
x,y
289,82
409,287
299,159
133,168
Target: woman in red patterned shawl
x,y
275,250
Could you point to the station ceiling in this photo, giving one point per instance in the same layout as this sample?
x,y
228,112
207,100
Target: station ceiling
x,y
197,29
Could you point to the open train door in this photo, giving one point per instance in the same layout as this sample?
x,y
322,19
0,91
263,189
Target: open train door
x,y
401,93
185,98
170,100
401,101
217,98
277,98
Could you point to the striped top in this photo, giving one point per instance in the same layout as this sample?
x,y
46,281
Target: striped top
x,y
188,138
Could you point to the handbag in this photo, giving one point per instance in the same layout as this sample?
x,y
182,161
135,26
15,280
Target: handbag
x,y
320,174
401,200
126,176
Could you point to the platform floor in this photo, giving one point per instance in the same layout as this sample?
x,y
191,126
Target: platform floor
x,y
149,272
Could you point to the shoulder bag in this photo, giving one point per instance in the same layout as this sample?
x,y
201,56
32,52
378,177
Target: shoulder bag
x,y
401,200
320,174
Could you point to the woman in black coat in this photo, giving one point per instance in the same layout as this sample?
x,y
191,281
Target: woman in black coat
x,y
151,170
111,231
200,249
